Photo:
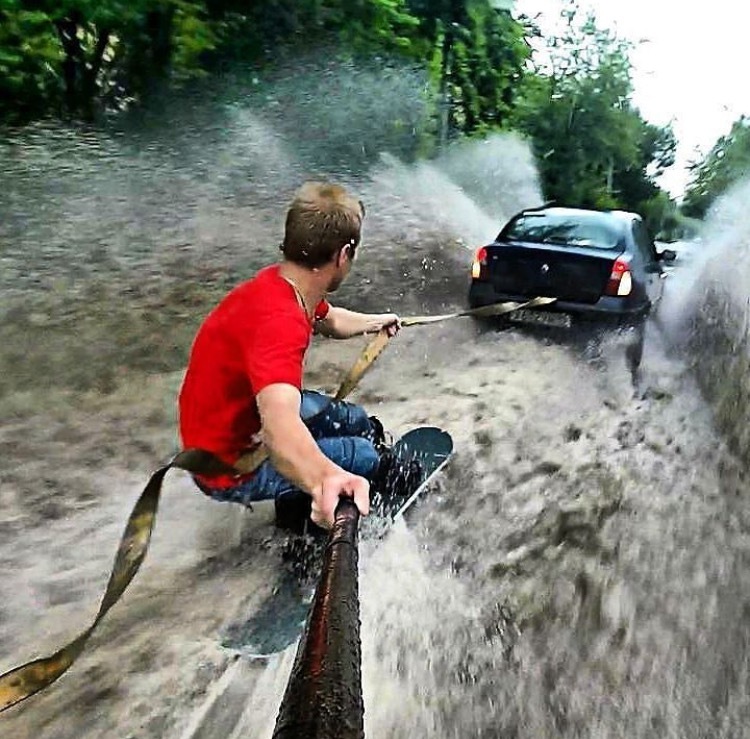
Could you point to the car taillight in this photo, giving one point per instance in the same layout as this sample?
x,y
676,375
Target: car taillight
x,y
480,260
620,280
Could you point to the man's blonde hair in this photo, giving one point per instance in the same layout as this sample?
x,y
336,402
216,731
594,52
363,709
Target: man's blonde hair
x,y
322,219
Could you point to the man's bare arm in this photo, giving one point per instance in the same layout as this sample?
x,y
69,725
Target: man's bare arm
x,y
341,323
296,456
294,453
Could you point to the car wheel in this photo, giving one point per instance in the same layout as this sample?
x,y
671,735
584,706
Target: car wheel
x,y
634,348
479,325
588,338
485,325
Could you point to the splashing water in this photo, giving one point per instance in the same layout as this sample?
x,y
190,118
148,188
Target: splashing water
x,y
582,570
467,193
708,315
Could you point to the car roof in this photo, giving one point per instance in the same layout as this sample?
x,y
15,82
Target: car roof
x,y
621,215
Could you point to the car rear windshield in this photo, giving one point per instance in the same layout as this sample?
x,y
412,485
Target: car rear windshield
x,y
596,231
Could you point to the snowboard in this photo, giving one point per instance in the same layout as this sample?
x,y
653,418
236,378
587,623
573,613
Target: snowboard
x,y
279,620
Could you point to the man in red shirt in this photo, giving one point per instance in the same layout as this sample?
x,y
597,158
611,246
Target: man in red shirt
x,y
243,383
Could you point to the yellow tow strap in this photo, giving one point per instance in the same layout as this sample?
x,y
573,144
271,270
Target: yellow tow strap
x,y
21,682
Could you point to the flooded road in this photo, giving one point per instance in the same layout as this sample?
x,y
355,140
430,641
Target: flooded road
x,y
581,570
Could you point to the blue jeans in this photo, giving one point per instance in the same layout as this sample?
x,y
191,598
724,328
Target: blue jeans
x,y
344,434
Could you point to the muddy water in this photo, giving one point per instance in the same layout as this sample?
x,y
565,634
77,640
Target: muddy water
x,y
581,569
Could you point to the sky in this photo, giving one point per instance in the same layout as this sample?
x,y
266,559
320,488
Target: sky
x,y
688,68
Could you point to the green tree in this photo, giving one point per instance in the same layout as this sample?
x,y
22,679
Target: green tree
x,y
593,147
253,30
30,54
726,163
474,50
70,53
478,55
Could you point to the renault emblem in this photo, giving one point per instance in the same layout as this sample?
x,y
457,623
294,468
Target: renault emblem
x,y
545,269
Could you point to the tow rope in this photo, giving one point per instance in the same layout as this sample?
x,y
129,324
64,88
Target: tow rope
x,y
25,680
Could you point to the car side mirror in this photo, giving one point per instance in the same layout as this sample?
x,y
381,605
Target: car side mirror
x,y
668,255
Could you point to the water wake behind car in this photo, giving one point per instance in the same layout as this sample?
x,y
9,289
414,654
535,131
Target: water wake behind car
x,y
581,570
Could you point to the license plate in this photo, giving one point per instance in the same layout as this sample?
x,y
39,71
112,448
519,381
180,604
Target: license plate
x,y
544,318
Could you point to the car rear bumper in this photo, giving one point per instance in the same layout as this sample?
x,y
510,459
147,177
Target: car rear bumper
x,y
606,309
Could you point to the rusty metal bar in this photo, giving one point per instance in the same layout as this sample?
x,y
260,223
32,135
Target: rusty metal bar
x,y
323,699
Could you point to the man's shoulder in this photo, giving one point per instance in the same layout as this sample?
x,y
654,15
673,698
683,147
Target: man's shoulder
x,y
266,293
263,278
264,285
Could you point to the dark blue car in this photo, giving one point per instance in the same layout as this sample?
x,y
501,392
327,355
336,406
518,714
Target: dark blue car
x,y
599,265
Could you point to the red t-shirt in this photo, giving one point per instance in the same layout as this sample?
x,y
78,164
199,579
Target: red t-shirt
x,y
256,336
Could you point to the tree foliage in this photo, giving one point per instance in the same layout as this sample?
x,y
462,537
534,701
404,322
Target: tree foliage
x,y
726,163
592,145
71,54
250,30
30,54
478,56
77,53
